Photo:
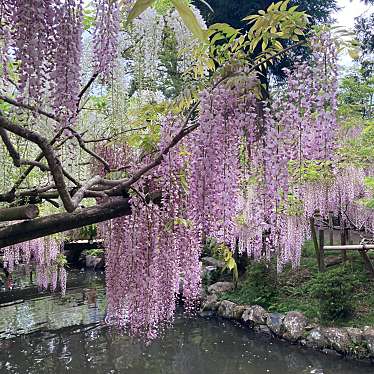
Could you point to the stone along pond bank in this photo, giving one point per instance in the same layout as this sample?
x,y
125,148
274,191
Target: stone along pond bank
x,y
293,326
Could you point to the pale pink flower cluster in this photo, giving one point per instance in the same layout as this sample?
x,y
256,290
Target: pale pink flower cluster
x,y
42,253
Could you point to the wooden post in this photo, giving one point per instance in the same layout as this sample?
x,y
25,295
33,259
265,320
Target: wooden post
x,y
315,242
369,266
348,236
321,250
343,237
331,228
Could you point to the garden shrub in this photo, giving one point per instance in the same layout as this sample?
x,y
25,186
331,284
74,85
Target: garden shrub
x,y
258,287
334,290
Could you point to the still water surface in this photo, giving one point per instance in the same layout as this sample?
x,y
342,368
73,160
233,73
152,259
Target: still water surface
x,y
43,333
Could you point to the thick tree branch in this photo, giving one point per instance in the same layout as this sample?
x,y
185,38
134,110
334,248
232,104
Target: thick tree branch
x,y
55,223
19,213
79,195
10,148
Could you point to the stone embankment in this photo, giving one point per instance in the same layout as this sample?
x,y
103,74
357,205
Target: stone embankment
x,y
293,326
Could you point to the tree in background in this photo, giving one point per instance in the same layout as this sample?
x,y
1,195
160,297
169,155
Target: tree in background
x,y
233,12
364,28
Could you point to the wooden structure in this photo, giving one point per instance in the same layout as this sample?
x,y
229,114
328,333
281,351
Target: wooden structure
x,y
362,250
318,237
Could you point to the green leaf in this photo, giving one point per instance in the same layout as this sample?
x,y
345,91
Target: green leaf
x,y
190,20
284,5
139,7
225,28
183,181
354,53
251,17
293,8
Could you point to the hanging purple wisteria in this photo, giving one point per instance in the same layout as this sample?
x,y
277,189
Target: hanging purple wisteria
x,y
105,41
66,73
154,253
215,171
250,175
45,254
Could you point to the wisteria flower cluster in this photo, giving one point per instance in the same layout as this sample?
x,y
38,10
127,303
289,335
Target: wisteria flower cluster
x,y
45,254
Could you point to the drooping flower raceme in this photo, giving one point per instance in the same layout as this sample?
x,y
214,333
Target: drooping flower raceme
x,y
43,253
106,35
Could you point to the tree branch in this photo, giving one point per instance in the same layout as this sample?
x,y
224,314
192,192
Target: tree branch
x,y
79,195
60,222
37,164
25,174
157,161
53,162
19,212
29,107
10,148
89,151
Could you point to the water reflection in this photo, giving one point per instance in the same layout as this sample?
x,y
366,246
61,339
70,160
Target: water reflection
x,y
67,336
31,311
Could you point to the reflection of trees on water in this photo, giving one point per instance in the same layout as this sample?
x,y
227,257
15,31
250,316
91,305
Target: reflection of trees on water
x,y
50,311
192,346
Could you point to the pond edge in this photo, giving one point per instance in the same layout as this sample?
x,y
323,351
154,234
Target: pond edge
x,y
293,326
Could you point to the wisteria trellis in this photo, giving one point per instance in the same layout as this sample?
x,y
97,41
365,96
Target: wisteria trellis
x,y
240,177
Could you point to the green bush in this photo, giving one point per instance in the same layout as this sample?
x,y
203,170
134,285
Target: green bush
x,y
88,232
258,286
334,290
96,252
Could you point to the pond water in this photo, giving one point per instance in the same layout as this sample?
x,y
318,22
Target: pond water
x,y
43,333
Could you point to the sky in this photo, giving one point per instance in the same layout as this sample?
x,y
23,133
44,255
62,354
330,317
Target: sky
x,y
350,10
345,17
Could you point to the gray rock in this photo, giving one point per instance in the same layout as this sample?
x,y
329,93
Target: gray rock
x,y
238,311
213,262
368,339
338,339
226,309
206,313
255,314
355,335
316,339
330,352
221,287
263,329
208,272
202,294
311,326
275,322
211,303
294,323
